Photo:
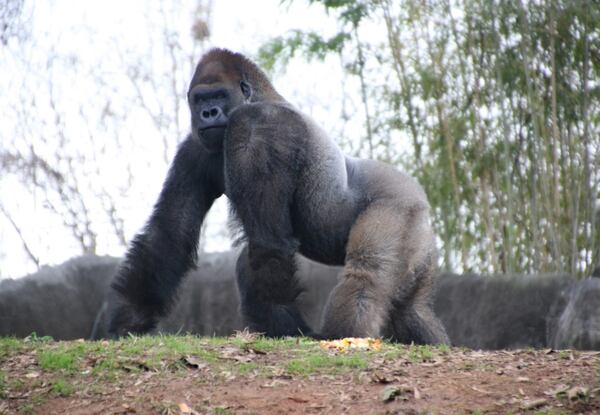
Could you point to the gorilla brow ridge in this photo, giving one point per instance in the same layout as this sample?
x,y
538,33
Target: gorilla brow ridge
x,y
262,87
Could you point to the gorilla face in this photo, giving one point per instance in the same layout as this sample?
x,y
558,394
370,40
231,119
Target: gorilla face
x,y
214,93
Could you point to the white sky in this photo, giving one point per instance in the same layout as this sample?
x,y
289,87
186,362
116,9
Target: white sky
x,y
64,28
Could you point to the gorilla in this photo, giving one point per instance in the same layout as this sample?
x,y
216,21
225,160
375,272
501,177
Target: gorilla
x,y
293,192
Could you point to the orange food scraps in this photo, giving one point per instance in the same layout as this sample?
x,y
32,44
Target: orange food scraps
x,y
351,343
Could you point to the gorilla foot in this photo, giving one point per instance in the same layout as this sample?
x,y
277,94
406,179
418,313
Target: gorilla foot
x,y
124,320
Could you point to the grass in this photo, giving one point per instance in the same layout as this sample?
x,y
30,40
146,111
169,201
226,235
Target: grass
x,y
88,367
9,345
111,360
57,360
417,354
246,368
38,369
468,366
61,387
565,354
319,362
219,410
3,385
33,337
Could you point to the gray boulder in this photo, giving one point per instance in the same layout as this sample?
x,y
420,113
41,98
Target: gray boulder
x,y
578,326
60,301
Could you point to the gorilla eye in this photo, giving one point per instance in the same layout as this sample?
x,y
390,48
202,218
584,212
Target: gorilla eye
x,y
246,89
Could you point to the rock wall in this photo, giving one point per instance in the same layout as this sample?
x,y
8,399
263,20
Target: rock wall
x,y
70,301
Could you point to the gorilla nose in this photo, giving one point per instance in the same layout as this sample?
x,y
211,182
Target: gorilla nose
x,y
212,116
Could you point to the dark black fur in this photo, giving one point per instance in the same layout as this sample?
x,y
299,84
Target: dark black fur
x,y
165,250
293,191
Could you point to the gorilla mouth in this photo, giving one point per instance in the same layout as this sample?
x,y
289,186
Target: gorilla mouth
x,y
211,129
212,135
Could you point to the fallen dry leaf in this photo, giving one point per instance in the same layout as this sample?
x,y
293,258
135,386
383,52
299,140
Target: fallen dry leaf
x,y
128,408
578,392
184,408
297,399
417,394
193,362
233,353
557,390
378,377
536,403
390,393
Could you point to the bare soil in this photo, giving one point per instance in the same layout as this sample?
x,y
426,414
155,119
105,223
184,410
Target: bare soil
x,y
198,376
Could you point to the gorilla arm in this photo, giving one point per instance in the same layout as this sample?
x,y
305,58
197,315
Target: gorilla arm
x,y
161,254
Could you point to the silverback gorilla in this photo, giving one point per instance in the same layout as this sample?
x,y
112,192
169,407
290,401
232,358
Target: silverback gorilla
x,y
292,191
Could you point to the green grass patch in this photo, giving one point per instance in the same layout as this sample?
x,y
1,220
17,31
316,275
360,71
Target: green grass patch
x,y
136,354
468,366
565,355
34,338
104,365
9,345
17,385
219,410
26,408
418,354
56,360
61,387
3,385
319,362
108,359
442,349
245,368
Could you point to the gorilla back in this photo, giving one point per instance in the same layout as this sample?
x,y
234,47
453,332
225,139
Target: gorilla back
x,y
293,191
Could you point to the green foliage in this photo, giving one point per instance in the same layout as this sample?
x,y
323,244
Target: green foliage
x,y
500,105
33,337
311,45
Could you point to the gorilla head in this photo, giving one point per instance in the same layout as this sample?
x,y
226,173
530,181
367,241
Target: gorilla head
x,y
222,82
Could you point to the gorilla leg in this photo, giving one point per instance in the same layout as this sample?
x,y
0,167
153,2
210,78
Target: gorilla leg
x,y
415,321
384,283
260,183
259,312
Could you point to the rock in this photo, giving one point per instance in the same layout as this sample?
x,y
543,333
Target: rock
x,y
69,301
578,326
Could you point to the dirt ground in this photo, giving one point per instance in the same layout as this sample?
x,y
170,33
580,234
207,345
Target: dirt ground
x,y
198,376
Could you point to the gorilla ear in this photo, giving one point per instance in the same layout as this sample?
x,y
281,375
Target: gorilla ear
x,y
246,89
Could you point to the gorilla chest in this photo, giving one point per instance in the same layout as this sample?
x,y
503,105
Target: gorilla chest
x,y
322,227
